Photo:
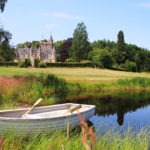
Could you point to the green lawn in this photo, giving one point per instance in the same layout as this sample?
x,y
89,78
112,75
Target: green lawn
x,y
75,74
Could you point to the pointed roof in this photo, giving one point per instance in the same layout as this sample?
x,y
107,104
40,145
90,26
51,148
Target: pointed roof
x,y
51,39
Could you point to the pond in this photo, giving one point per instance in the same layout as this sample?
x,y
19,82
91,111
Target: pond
x,y
115,110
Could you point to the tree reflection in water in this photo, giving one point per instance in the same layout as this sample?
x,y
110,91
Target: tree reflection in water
x,y
110,103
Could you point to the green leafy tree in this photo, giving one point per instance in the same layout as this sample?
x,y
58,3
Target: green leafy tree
x,y
36,62
80,44
27,44
35,44
140,60
2,5
106,58
7,53
20,45
101,57
130,66
58,46
27,62
121,54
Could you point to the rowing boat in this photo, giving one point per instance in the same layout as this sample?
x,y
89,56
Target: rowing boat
x,y
44,118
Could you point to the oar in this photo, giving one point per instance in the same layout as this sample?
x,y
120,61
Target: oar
x,y
73,109
27,112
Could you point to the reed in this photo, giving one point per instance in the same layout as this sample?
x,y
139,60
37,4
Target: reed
x,y
134,83
51,81
126,141
26,89
58,140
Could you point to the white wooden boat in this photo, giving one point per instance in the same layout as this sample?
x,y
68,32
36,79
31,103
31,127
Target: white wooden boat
x,y
43,119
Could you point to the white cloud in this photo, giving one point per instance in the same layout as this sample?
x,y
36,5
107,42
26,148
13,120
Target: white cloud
x,y
145,4
61,15
50,26
65,16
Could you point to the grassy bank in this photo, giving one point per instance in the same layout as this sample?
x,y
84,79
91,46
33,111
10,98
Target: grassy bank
x,y
22,87
58,140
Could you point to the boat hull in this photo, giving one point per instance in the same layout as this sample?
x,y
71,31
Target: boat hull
x,y
43,119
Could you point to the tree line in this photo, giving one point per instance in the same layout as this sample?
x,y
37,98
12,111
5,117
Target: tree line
x,y
7,52
101,53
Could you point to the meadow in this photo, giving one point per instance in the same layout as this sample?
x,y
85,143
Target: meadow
x,y
74,74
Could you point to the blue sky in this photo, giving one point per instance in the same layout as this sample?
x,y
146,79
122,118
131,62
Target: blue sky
x,y
29,20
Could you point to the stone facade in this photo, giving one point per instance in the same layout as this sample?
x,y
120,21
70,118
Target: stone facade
x,y
45,53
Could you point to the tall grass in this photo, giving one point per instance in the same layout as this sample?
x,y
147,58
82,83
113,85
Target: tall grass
x,y
51,81
126,141
26,89
58,141
137,82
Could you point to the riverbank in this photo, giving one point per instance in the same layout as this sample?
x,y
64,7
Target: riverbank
x,y
54,84
59,140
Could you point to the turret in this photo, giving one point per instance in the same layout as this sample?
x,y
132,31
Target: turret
x,y
51,41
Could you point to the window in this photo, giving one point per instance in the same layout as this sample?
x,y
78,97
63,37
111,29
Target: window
x,y
46,56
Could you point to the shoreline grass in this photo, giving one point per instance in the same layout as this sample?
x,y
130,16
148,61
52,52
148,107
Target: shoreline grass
x,y
48,85
58,140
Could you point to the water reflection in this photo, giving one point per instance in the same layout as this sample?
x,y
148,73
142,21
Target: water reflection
x,y
112,105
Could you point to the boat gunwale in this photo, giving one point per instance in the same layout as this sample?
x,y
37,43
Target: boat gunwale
x,y
91,108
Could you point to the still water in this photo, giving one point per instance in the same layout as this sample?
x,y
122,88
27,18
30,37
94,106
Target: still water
x,y
116,110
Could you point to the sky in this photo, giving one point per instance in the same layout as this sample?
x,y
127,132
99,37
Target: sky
x,y
30,20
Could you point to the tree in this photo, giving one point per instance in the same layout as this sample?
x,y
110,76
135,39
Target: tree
x,y
65,49
34,44
130,66
101,57
121,54
80,45
2,5
58,45
7,53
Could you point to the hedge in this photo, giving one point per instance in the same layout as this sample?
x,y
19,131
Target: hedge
x,y
57,64
69,64
9,64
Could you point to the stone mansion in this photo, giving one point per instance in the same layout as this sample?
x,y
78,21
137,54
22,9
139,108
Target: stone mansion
x,y
46,52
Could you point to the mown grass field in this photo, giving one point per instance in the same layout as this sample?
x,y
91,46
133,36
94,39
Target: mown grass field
x,y
75,74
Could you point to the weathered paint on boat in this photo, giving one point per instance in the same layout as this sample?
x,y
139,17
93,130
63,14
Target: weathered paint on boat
x,y
43,119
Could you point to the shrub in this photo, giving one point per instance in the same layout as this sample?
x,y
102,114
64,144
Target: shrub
x,y
130,66
27,62
70,64
21,64
8,64
42,65
36,62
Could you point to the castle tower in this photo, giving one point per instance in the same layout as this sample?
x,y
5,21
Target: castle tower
x,y
51,41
